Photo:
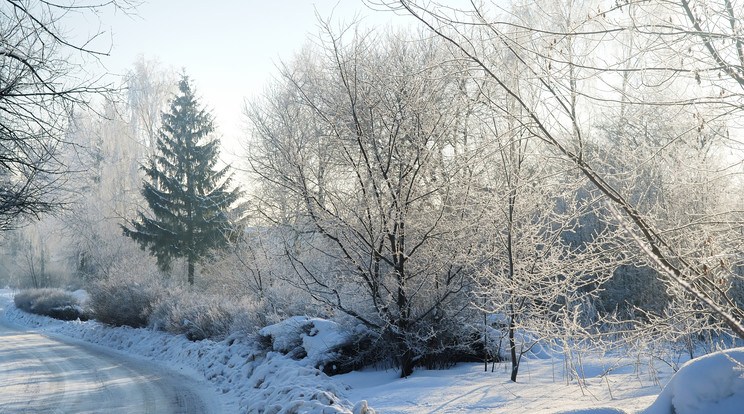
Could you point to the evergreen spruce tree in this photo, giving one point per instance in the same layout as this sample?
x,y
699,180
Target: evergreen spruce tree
x,y
188,198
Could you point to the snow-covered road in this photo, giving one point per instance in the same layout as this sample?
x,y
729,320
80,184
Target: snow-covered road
x,y
46,375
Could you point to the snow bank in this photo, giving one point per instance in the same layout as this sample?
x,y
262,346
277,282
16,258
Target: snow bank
x,y
247,378
710,384
286,386
313,340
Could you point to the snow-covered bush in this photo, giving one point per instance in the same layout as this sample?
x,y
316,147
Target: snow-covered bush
x,y
55,303
121,302
151,301
256,273
321,343
253,314
195,315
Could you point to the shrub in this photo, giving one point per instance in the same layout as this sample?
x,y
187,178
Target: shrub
x,y
364,348
150,301
55,303
124,302
196,316
253,314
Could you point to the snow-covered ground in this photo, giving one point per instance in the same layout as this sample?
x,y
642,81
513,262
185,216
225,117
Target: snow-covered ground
x,y
244,378
541,388
249,380
709,384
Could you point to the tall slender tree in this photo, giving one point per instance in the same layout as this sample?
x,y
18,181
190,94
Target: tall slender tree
x,y
189,199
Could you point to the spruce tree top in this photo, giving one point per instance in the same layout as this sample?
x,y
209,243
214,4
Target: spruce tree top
x,y
188,199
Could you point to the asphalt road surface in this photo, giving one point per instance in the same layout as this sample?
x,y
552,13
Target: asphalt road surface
x,y
39,374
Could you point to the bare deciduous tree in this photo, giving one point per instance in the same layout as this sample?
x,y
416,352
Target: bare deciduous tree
x,y
368,140
40,84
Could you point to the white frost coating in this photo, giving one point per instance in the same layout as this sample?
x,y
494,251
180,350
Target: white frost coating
x,y
710,384
318,337
81,295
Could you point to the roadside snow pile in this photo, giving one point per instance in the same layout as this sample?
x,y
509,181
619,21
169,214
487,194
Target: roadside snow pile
x,y
710,384
249,378
282,385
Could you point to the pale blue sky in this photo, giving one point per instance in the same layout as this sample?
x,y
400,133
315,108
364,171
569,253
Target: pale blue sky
x,y
228,47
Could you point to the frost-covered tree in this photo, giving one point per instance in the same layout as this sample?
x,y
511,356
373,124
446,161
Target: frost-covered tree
x,y
39,87
689,52
189,199
149,88
106,191
366,140
534,266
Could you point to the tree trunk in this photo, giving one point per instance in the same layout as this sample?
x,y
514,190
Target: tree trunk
x,y
397,242
191,271
403,348
406,364
513,350
42,263
404,354
510,253
485,342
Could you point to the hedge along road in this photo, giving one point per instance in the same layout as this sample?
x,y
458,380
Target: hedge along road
x,y
40,374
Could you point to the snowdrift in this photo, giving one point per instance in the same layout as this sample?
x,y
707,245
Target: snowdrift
x,y
710,384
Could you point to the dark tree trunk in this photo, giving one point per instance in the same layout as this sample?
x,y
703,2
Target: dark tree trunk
x,y
406,363
191,271
513,350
